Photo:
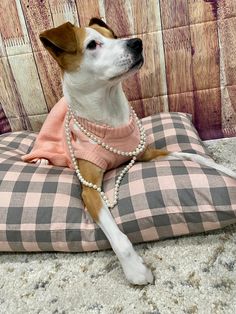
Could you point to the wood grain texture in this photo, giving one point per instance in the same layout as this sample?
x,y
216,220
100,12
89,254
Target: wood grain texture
x,y
87,10
205,55
178,59
63,11
50,77
151,74
227,29
119,16
189,50
174,13
182,102
9,22
228,110
10,98
226,9
207,116
24,76
38,18
146,16
2,47
206,78
201,11
149,106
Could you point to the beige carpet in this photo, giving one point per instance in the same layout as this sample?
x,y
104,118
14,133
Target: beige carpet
x,y
194,274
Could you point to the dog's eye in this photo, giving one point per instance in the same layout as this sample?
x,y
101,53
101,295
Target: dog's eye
x,y
92,45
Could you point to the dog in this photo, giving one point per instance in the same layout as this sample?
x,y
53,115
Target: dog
x,y
94,62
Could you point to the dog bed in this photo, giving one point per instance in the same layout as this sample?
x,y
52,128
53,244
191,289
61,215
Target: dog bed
x,y
41,207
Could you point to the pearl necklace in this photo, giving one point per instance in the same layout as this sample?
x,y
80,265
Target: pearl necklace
x,y
133,154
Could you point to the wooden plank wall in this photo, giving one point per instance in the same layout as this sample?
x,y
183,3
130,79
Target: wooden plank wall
x,y
189,49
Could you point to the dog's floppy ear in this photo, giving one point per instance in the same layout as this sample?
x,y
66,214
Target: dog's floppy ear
x,y
59,40
96,21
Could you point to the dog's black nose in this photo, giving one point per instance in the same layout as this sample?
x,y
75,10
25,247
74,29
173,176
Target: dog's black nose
x,y
135,44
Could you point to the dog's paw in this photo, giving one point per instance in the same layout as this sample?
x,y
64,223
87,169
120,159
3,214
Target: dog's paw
x,y
41,161
136,272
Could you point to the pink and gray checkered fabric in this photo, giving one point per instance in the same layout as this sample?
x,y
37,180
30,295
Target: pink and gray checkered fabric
x,y
41,207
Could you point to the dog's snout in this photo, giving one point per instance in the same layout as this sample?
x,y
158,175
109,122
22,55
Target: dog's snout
x,y
135,44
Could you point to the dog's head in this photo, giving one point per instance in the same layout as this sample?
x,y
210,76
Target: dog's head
x,y
93,53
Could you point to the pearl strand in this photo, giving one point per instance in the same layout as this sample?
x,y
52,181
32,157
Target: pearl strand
x,y
132,154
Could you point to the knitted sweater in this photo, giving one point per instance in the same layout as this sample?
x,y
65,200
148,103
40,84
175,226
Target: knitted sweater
x,y
51,141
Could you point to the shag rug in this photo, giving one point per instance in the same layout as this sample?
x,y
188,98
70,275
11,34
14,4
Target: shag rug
x,y
194,274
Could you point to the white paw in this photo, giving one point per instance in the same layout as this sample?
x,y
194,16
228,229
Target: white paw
x,y
135,269
138,273
42,162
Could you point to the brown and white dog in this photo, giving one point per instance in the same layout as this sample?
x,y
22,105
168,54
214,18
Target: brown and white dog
x,y
93,63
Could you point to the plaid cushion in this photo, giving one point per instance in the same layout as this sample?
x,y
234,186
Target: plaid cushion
x,y
41,207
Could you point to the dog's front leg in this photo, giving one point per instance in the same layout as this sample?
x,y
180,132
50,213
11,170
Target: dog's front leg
x,y
153,153
134,268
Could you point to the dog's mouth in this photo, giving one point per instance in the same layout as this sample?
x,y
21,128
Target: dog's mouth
x,y
136,65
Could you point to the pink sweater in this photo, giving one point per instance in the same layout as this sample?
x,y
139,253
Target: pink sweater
x,y
51,141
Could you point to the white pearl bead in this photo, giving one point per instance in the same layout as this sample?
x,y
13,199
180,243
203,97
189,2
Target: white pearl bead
x,y
134,153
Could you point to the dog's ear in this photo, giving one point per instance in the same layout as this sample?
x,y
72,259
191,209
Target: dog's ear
x,y
59,40
96,21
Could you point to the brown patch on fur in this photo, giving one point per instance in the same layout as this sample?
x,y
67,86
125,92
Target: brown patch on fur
x,y
104,31
65,44
101,25
91,197
152,153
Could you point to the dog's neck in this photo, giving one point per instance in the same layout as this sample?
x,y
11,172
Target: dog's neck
x,y
103,105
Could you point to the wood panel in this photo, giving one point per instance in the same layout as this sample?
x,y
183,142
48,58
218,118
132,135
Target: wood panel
x,y
226,9
28,83
63,11
189,49
10,98
119,16
178,58
207,117
205,55
50,77
229,110
150,106
201,11
10,25
182,102
174,13
132,87
2,47
146,16
38,18
227,30
87,10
